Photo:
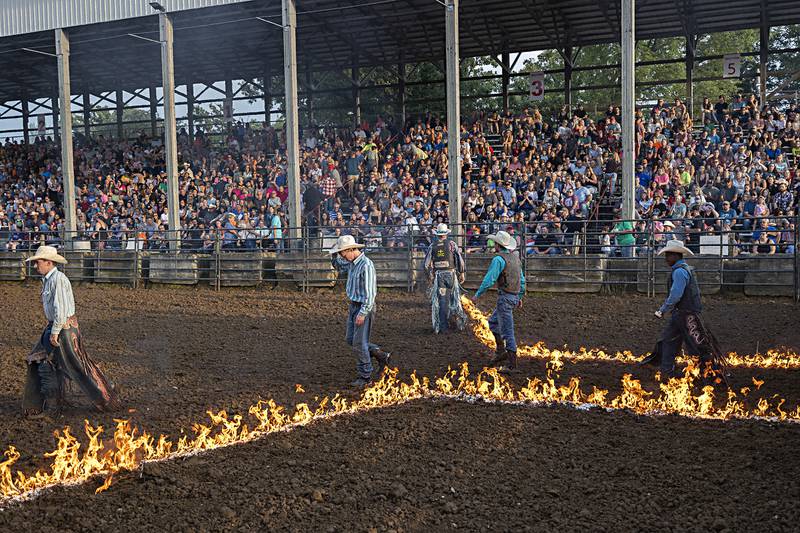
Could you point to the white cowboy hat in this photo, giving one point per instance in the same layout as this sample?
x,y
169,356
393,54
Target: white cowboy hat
x,y
442,229
668,224
677,247
345,242
504,239
47,253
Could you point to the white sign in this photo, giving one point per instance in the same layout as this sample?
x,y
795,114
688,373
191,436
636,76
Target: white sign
x,y
536,86
732,66
713,245
40,128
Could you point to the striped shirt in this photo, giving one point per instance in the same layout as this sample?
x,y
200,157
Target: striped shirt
x,y
57,299
362,285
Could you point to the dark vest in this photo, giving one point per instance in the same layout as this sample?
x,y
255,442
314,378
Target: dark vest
x,y
442,256
690,301
509,280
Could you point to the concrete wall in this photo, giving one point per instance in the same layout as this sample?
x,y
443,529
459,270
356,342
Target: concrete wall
x,y
240,269
770,275
565,273
12,266
119,266
179,269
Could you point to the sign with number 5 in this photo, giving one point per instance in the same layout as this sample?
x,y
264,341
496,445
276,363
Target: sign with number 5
x,y
732,66
536,86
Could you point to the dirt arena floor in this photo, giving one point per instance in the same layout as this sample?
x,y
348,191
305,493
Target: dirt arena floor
x,y
422,466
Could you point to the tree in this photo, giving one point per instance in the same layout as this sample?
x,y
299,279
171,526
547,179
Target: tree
x,y
104,122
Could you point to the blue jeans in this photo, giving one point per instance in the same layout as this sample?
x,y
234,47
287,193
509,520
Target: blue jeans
x,y
358,338
502,320
447,281
627,251
671,343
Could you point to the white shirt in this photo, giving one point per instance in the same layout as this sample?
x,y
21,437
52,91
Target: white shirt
x,y
57,299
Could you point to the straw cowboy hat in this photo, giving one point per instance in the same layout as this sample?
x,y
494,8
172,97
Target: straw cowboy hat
x,y
442,229
47,253
677,247
345,242
669,224
504,239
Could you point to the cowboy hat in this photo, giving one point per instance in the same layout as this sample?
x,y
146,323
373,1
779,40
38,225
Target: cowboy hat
x,y
504,239
675,246
345,242
47,253
668,224
442,229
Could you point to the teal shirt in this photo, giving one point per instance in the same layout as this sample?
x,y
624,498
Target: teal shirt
x,y
495,269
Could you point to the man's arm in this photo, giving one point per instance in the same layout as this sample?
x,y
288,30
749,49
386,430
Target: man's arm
x,y
461,265
495,268
521,283
63,303
428,264
371,287
679,280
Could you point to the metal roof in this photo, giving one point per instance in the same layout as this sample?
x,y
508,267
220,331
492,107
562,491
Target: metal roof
x,y
27,16
213,41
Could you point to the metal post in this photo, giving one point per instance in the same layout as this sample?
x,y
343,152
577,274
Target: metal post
x,y
268,94
65,118
120,111
289,11
356,92
309,96
153,112
506,78
170,135
87,115
190,110
763,56
690,52
54,111
568,76
26,116
401,96
453,113
628,108
229,98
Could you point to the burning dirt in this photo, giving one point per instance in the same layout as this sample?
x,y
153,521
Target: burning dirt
x,y
771,359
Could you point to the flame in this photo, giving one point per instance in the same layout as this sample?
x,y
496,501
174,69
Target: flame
x,y
72,462
772,359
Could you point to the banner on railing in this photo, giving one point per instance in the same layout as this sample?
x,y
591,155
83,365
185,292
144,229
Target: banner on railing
x,y
732,66
536,86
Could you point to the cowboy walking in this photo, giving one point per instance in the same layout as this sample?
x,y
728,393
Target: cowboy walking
x,y
683,300
445,267
505,270
346,256
59,354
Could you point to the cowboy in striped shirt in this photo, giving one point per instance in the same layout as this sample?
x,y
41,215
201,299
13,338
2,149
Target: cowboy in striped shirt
x,y
361,290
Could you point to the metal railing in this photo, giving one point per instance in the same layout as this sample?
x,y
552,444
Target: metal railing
x,y
753,255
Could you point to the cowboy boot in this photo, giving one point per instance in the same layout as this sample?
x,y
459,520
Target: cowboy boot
x,y
381,356
511,366
500,351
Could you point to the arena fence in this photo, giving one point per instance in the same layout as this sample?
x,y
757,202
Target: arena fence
x,y
755,256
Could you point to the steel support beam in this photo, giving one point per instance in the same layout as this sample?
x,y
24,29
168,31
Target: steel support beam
x,y
568,64
763,55
289,12
356,82
309,95
120,110
153,112
401,94
54,111
229,98
628,46
691,42
267,89
65,119
190,110
170,133
87,115
26,116
506,77
453,115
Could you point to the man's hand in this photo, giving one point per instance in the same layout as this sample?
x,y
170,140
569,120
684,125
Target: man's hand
x,y
659,314
462,277
360,319
519,305
54,340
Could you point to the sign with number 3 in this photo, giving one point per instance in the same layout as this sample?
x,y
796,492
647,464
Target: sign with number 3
x,y
732,66
536,86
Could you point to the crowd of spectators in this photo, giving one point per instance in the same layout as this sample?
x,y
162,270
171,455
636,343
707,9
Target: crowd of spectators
x,y
733,175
